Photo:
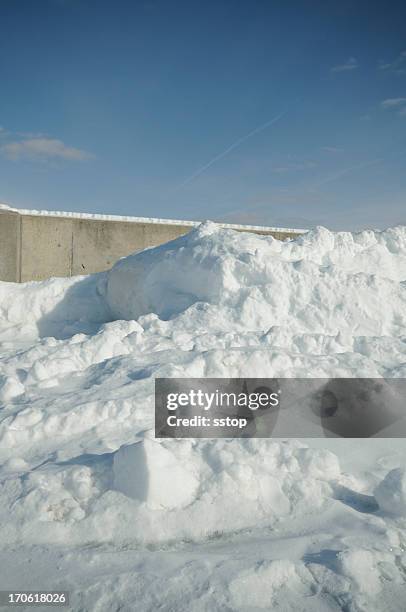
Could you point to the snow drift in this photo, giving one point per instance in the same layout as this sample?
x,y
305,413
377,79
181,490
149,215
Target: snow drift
x,y
80,466
319,283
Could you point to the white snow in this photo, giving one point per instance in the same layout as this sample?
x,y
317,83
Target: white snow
x,y
258,587
151,473
391,492
94,504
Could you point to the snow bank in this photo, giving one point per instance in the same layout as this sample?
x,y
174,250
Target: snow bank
x,y
320,283
54,307
212,303
154,492
202,481
79,463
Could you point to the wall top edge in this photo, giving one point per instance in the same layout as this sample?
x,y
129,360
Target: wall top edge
x,y
101,217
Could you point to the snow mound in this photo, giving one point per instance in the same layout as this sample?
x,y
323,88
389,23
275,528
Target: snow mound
x,y
154,492
260,523
53,307
267,475
77,378
321,282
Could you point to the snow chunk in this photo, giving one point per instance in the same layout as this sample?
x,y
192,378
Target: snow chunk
x,y
150,473
391,492
10,387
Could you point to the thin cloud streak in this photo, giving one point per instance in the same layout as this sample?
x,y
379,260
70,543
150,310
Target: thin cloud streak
x,y
236,144
345,171
393,102
351,64
397,105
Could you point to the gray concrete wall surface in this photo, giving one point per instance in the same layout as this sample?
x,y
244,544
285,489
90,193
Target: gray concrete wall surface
x,y
46,247
10,241
38,246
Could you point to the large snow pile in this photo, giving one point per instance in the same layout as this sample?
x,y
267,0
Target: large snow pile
x,y
250,524
321,283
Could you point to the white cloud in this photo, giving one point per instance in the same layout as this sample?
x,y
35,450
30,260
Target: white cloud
x,y
398,65
391,102
350,64
396,104
41,148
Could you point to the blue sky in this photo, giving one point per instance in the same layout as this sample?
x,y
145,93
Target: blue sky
x,y
277,113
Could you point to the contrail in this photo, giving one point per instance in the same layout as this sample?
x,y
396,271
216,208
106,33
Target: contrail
x,y
341,173
231,147
372,162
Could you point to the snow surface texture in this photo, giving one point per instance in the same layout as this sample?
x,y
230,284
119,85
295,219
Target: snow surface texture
x,y
90,502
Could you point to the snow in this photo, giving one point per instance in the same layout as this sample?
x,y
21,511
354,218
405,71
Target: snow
x,y
391,492
92,503
151,473
257,587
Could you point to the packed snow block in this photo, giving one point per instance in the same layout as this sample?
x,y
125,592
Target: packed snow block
x,y
168,279
150,473
10,233
391,492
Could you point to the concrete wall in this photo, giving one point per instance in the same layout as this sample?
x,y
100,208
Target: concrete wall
x,y
46,247
38,246
10,243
